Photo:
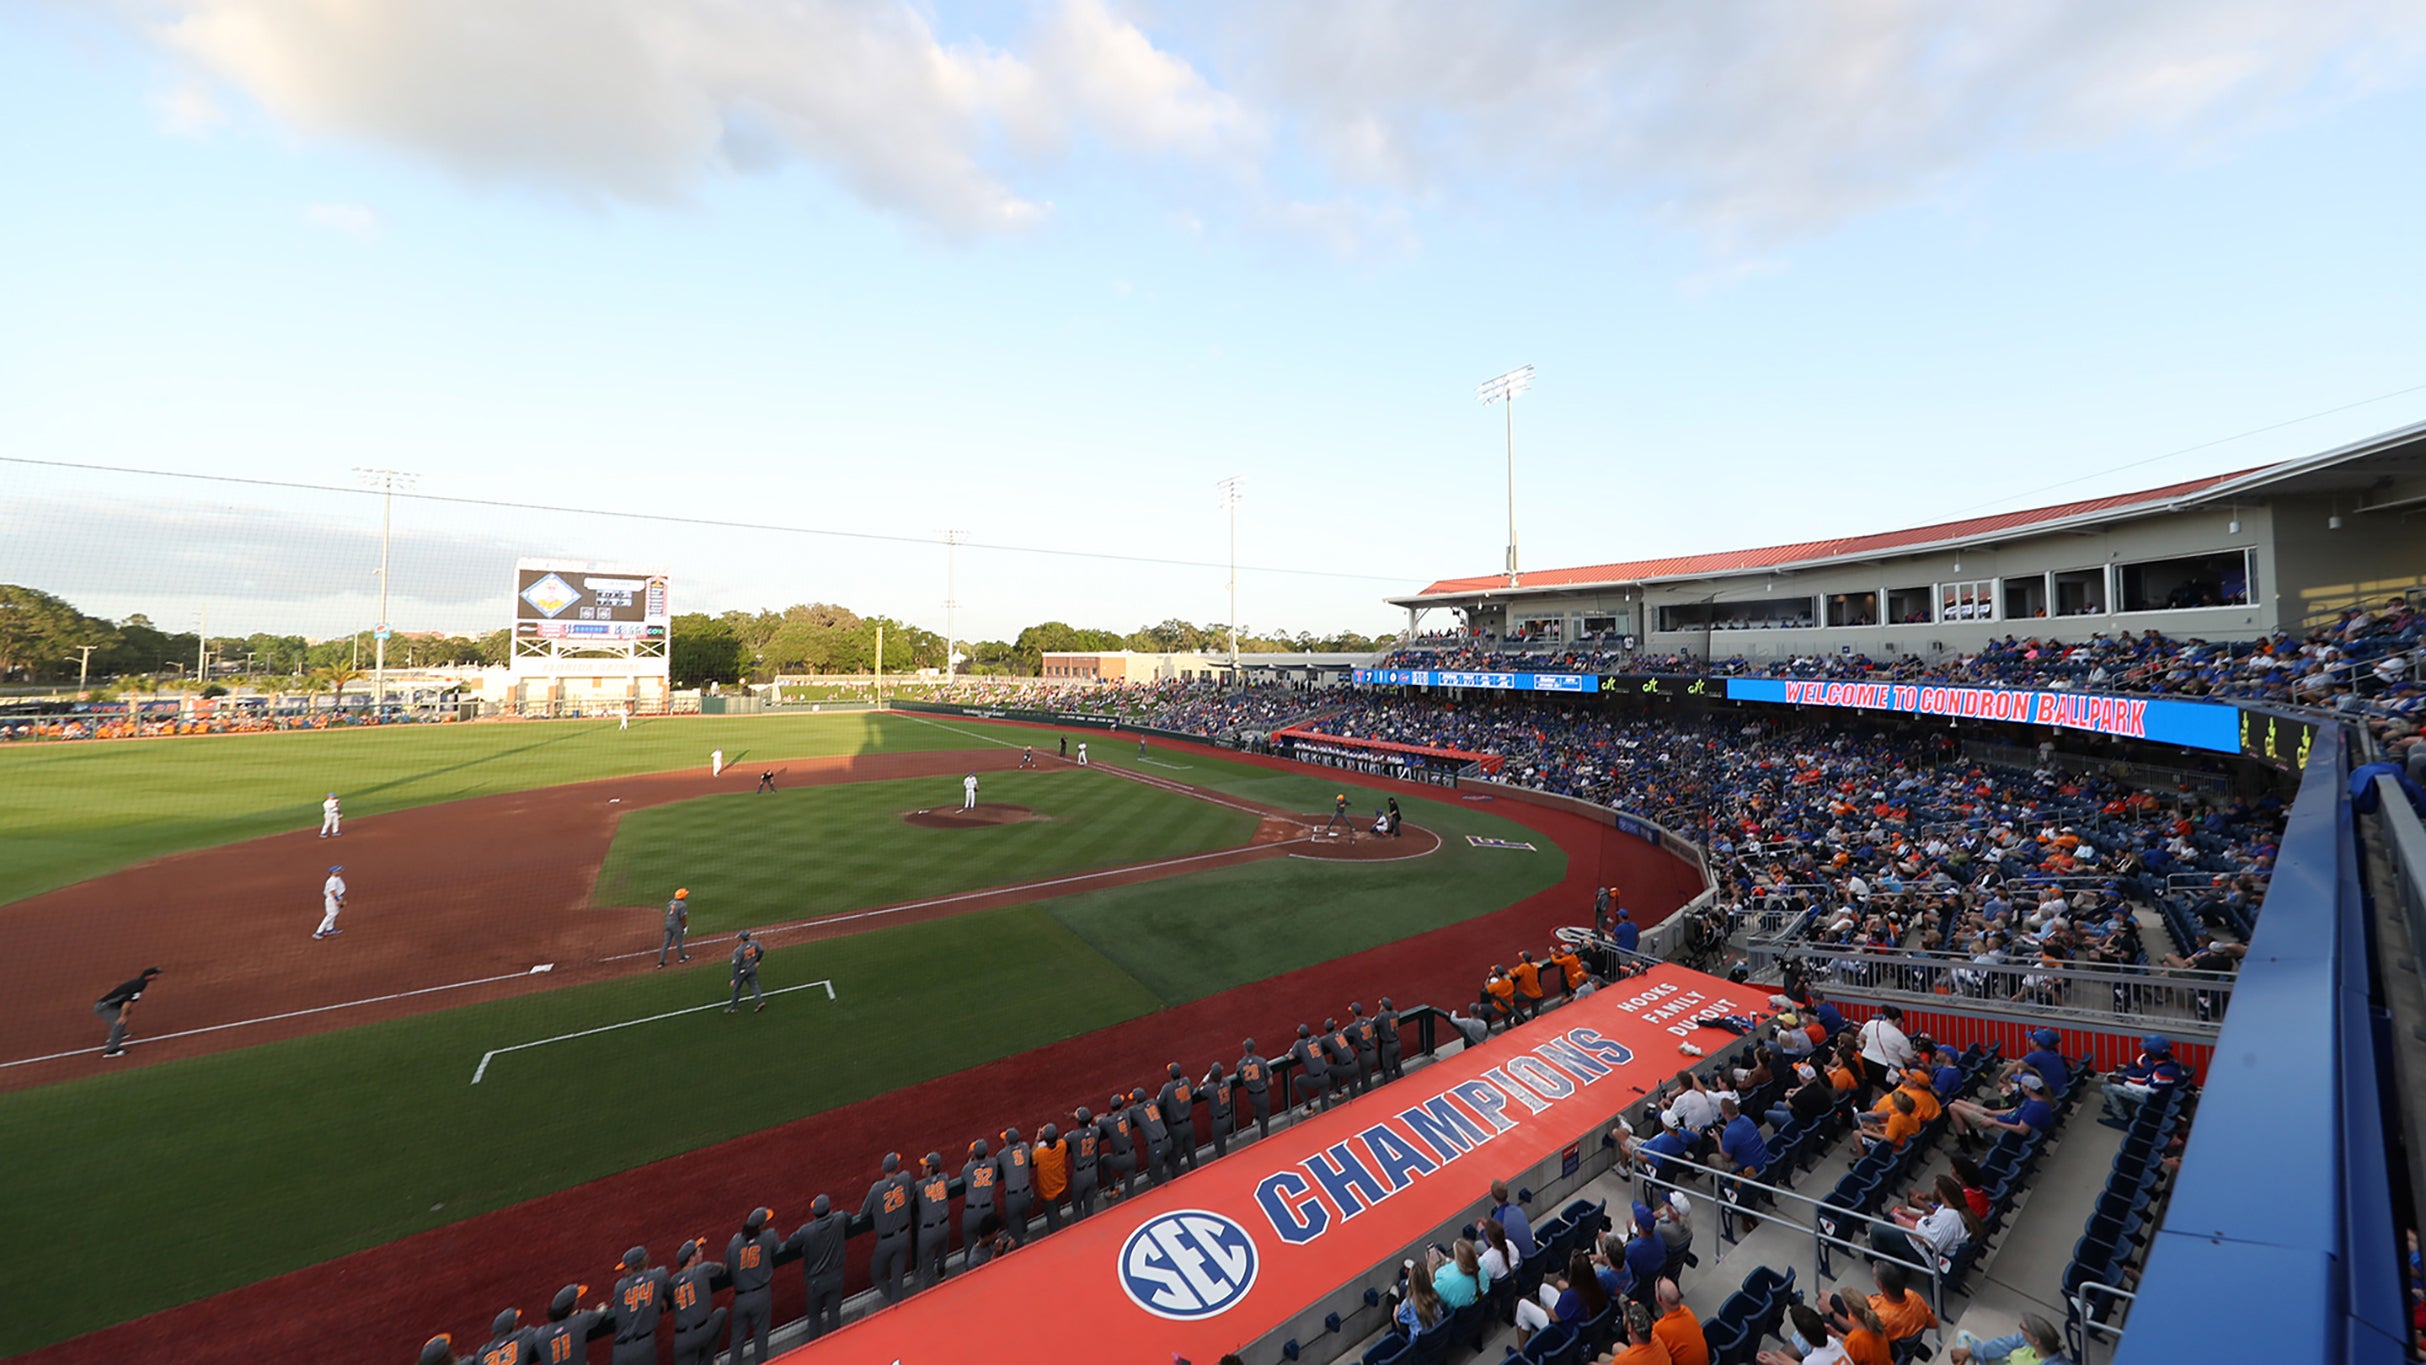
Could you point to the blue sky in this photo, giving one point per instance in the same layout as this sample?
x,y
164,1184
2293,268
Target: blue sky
x,y
1043,274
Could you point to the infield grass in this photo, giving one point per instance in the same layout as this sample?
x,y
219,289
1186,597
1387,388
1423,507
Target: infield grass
x,y
816,851
74,810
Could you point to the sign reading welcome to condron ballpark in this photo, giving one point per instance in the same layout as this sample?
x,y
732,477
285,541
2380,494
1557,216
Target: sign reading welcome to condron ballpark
x,y
1226,1254
2165,720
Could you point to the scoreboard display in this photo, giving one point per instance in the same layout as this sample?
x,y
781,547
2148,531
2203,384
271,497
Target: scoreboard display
x,y
580,602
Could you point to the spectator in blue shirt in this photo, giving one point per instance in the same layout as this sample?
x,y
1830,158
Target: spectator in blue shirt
x,y
2031,1114
1646,1255
2047,1061
2153,1073
1512,1220
1670,1141
1948,1075
1739,1139
1628,934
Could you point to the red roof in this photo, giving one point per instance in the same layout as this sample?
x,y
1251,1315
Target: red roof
x,y
1996,527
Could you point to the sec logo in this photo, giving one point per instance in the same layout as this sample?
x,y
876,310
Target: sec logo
x,y
1187,1264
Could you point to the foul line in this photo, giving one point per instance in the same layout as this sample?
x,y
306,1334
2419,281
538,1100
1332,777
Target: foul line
x,y
1177,788
486,1057
1174,767
273,1018
1018,889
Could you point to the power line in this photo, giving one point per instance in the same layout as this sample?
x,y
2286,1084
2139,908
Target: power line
x,y
671,520
2187,450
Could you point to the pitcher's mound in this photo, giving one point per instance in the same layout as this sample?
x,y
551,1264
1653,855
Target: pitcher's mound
x,y
953,817
1412,841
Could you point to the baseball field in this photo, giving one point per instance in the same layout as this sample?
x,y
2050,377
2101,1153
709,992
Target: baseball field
x,y
491,1029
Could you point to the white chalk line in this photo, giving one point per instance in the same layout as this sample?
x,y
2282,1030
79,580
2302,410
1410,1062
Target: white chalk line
x,y
273,1018
485,1058
1174,767
1019,889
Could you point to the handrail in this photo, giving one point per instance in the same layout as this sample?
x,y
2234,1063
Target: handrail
x,y
2080,1304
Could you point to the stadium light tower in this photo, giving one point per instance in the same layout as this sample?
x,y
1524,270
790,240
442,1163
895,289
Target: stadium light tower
x,y
1230,489
1504,389
387,481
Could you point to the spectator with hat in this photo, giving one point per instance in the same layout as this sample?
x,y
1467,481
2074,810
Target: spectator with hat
x,y
2031,1113
2154,1072
2047,1059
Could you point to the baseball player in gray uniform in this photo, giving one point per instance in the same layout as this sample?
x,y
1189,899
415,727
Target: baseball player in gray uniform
x,y
1255,1078
1146,1116
639,1301
746,956
888,1207
509,1341
1367,1038
1018,1184
677,926
1178,1101
819,1244
697,1319
1340,1055
934,1220
1119,1153
980,1184
749,1259
1086,1151
114,1006
1385,1029
566,1337
1313,1082
1221,1099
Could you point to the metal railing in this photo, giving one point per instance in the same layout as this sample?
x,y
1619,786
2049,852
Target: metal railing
x,y
2091,1327
2191,1002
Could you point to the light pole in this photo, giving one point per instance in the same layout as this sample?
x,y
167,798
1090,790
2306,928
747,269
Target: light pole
x,y
387,481
1504,389
1230,489
951,603
84,665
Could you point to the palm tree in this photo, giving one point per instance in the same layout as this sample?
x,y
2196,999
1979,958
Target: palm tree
x,y
336,679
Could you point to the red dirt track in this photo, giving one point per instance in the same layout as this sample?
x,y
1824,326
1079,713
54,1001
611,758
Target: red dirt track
x,y
385,1301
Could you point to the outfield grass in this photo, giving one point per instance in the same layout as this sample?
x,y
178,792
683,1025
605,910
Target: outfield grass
x,y
76,810
812,851
350,1139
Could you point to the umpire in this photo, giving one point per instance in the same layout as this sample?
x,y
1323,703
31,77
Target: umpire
x,y
113,1007
750,1260
818,1243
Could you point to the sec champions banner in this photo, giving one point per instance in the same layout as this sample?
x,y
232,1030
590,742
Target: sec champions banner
x,y
1225,1254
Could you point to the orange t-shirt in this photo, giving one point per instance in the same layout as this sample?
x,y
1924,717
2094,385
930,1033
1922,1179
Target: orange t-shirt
x,y
1900,1129
1865,1347
1573,966
1649,1353
1681,1332
1842,1079
1052,1169
1528,979
1503,990
1907,1319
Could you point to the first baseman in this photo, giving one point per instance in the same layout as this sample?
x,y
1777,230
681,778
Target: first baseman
x,y
332,900
968,792
746,955
331,817
113,1007
716,763
1082,753
677,925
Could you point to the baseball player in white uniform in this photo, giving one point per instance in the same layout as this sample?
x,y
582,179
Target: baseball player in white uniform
x,y
1082,753
624,721
968,792
716,763
332,900
330,817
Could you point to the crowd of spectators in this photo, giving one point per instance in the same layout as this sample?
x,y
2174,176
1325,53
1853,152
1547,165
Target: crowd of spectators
x,y
2366,662
165,724
1191,706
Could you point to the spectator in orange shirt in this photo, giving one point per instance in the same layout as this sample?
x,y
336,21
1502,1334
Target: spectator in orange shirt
x,y
1641,1348
1902,1314
1677,1329
1528,975
1864,1332
1500,993
1897,1128
1569,965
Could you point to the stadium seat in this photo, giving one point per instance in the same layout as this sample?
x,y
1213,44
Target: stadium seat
x,y
1392,1349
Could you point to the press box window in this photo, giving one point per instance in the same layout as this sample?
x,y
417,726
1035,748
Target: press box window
x,y
2025,598
2187,583
1853,609
1910,606
2080,592
1974,601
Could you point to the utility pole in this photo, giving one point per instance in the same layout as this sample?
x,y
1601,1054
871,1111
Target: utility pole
x,y
387,481
1230,489
84,666
1504,389
202,646
880,666
951,603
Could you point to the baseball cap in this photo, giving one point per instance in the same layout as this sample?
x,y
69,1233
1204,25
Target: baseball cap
x,y
686,1251
505,1322
2030,1081
1790,1019
1805,1071
682,893
336,867
438,1350
635,1258
567,1299
2156,1042
2045,1037
1642,1215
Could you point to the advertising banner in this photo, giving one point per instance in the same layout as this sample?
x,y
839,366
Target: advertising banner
x,y
1224,1255
581,602
2164,720
1498,682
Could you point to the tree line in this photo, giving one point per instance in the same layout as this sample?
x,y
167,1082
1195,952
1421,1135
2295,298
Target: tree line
x,y
42,640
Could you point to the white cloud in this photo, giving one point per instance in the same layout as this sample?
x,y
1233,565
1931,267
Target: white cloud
x,y
186,109
354,220
1745,124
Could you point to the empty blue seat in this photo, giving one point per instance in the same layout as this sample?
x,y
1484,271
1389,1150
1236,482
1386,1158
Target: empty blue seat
x,y
1390,1350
